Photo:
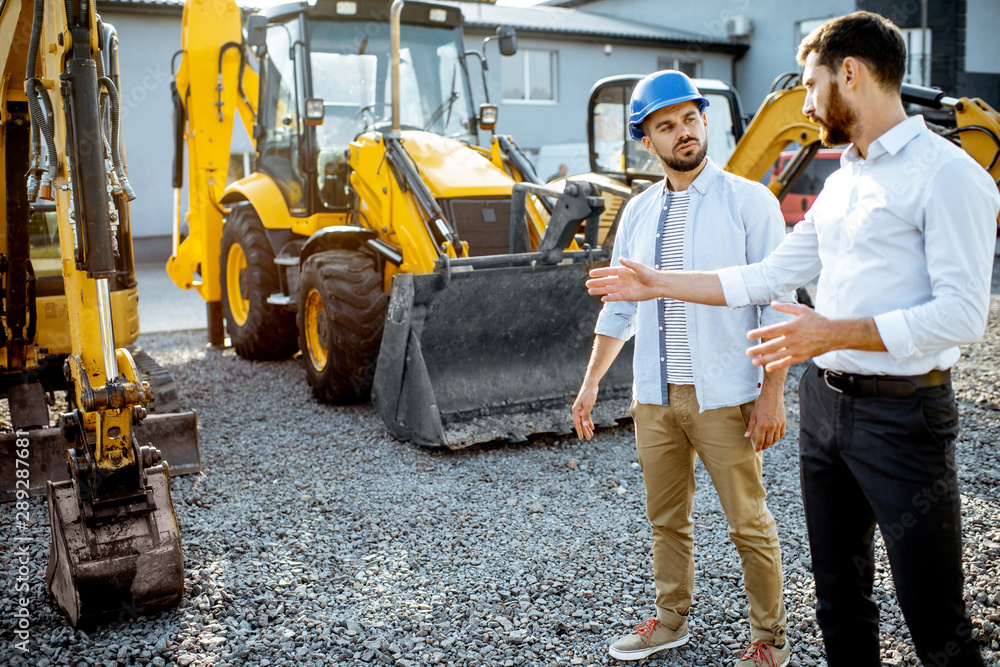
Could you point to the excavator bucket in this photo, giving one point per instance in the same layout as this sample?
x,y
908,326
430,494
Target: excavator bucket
x,y
495,347
174,434
117,568
491,354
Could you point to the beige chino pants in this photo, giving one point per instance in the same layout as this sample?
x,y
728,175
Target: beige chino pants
x,y
667,440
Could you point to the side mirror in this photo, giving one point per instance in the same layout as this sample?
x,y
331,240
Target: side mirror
x,y
508,40
487,116
256,30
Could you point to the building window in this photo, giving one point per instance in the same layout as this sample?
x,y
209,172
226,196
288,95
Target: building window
x,y
690,67
803,28
918,56
529,76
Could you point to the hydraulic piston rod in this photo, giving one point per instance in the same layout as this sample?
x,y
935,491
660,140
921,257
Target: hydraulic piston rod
x,y
107,329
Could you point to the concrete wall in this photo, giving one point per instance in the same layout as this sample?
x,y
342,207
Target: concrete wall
x,y
146,44
772,43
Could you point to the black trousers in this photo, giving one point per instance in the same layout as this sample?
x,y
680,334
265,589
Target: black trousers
x,y
887,461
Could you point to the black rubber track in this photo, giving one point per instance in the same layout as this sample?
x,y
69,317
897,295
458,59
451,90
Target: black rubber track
x,y
350,285
165,395
269,331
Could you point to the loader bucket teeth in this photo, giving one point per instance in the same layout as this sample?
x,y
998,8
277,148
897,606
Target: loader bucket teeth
x,y
117,570
491,354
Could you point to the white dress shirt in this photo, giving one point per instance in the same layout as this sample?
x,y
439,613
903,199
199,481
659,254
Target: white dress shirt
x,y
905,236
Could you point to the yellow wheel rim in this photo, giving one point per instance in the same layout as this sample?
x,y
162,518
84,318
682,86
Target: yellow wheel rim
x,y
237,290
315,320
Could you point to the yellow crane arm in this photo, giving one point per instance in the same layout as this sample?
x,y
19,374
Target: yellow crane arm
x,y
778,123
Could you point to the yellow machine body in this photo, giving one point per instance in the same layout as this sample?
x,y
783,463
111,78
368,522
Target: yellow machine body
x,y
355,227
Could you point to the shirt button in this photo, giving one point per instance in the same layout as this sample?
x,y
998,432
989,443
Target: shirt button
x,y
662,359
657,266
661,328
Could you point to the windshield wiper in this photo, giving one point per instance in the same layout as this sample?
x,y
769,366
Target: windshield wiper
x,y
447,104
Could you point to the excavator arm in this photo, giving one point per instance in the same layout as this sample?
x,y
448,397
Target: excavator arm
x,y
216,79
114,535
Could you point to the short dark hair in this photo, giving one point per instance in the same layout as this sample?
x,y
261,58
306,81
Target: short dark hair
x,y
869,37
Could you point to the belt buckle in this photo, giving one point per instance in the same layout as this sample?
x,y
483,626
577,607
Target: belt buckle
x,y
827,374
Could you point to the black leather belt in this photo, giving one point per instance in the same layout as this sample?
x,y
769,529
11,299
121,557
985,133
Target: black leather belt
x,y
882,385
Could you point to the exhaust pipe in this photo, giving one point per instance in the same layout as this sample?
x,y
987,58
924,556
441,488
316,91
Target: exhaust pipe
x,y
395,13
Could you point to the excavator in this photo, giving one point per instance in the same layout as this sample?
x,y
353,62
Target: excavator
x,y
620,166
68,313
375,235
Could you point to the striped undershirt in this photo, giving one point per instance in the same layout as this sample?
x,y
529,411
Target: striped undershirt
x,y
675,338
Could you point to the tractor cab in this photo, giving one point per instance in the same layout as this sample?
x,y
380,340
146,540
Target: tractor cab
x,y
326,78
614,154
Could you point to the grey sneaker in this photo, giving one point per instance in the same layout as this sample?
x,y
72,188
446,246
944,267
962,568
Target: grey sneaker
x,y
759,654
648,638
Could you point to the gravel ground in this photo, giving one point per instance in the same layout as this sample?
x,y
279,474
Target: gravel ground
x,y
312,537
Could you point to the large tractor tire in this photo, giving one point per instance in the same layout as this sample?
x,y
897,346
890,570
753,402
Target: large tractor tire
x,y
248,276
341,315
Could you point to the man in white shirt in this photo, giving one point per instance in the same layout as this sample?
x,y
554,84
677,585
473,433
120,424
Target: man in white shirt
x,y
904,233
695,391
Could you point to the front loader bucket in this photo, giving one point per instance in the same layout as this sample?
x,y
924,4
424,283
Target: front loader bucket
x,y
119,568
174,434
491,353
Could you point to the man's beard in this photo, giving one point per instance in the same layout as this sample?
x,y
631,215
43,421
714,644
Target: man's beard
x,y
836,125
685,163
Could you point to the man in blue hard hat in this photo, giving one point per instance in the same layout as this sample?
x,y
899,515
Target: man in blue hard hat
x,y
695,392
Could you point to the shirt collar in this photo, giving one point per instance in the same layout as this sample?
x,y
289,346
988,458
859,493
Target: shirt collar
x,y
700,183
891,142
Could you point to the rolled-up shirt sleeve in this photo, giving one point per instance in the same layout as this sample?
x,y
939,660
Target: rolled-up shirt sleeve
x,y
959,246
617,318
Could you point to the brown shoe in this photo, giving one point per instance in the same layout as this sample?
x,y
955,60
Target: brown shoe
x,y
649,637
759,654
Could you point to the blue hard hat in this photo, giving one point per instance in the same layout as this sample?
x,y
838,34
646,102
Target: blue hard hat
x,y
656,91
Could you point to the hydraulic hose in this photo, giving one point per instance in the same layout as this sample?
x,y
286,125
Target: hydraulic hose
x,y
36,91
103,105
35,155
116,116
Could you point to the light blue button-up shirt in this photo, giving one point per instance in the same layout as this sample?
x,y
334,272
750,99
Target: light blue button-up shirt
x,y
904,236
730,221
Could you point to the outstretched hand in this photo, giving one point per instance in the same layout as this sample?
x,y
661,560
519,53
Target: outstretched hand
x,y
805,337
632,281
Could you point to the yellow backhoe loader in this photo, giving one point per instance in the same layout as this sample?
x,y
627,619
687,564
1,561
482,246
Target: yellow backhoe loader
x,y
374,235
620,165
69,308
